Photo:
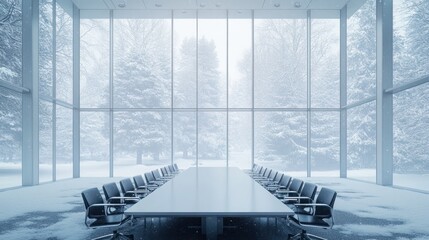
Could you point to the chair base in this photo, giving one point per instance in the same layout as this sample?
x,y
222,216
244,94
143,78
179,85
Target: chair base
x,y
304,236
116,236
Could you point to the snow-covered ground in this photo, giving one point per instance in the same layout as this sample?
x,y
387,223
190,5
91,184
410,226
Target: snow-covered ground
x,y
62,211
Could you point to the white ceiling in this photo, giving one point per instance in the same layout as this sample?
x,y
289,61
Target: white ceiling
x,y
211,4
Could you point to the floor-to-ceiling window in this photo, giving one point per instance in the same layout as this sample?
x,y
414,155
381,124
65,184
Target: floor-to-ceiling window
x,y
10,97
410,108
55,90
215,88
94,94
361,91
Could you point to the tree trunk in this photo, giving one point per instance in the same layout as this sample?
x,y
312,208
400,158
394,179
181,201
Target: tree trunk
x,y
139,156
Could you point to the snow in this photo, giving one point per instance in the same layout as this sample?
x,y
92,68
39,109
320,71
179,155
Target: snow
x,y
406,209
369,200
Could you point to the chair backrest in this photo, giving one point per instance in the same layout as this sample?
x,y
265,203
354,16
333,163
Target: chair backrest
x,y
176,167
309,190
326,196
149,177
278,177
92,196
296,185
163,172
272,174
156,174
139,181
263,170
168,170
258,169
111,190
171,168
126,185
285,181
267,172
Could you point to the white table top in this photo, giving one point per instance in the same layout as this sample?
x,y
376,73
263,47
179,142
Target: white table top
x,y
201,192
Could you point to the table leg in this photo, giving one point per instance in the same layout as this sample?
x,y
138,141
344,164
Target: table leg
x,y
211,227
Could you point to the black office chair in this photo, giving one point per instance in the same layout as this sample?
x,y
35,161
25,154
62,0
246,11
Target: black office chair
x,y
292,191
306,195
283,184
150,179
141,184
129,190
158,176
270,179
172,170
102,215
320,215
113,195
176,168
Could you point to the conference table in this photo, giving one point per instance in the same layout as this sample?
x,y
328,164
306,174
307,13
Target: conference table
x,y
210,193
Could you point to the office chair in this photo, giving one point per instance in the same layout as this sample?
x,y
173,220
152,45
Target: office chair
x,y
113,195
292,191
283,184
129,190
141,184
102,215
306,195
320,215
150,179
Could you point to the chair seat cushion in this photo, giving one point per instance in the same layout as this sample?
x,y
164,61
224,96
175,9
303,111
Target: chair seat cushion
x,y
309,220
109,220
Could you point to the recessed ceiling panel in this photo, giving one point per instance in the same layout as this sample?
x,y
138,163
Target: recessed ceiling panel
x,y
327,4
245,4
90,4
170,4
286,4
128,4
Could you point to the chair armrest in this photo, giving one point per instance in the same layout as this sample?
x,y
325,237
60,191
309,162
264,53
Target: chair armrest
x,y
285,191
297,198
124,198
313,205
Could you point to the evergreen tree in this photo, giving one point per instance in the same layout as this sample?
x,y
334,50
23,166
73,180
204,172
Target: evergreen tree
x,y
141,78
10,71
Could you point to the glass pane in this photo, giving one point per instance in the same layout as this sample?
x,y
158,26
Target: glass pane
x,y
142,142
94,63
142,63
240,61
45,48
212,59
281,141
410,40
361,53
11,42
64,136
325,144
184,139
325,63
94,144
64,52
411,138
280,63
10,138
361,137
185,63
45,141
240,140
212,139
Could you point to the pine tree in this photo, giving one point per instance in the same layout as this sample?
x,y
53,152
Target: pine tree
x,y
141,80
10,71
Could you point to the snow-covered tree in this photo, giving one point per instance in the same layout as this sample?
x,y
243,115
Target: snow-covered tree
x,y
141,79
10,71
